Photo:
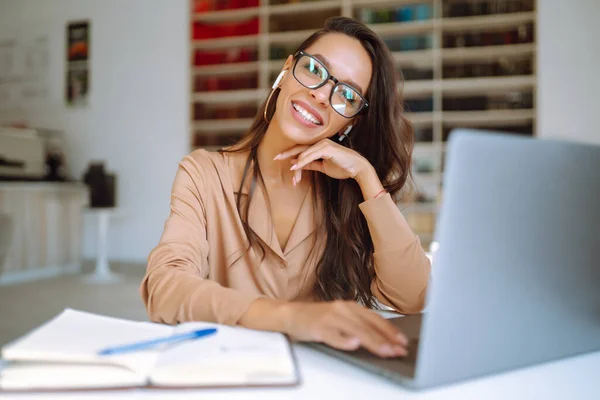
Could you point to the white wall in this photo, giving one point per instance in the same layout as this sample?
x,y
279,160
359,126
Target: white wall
x,y
568,99
138,111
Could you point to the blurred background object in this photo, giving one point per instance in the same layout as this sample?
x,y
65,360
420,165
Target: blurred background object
x,y
32,155
102,186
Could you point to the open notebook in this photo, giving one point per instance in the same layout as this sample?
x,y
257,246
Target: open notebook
x,y
62,355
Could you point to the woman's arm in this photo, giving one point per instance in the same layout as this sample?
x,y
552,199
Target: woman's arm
x,y
401,266
175,288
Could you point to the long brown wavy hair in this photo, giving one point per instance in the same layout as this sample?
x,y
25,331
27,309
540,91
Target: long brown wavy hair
x,y
382,135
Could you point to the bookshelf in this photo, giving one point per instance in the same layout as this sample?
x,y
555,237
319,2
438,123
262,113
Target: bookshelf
x,y
465,63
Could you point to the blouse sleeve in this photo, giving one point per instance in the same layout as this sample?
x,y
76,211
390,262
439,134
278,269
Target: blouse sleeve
x,y
175,288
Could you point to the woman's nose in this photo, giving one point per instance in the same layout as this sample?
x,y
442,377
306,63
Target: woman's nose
x,y
322,94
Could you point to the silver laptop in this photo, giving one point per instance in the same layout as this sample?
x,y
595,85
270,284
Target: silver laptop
x,y
516,280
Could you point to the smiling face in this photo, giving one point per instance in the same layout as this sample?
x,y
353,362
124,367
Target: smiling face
x,y
305,115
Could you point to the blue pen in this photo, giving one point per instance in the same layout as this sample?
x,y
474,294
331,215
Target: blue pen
x,y
154,342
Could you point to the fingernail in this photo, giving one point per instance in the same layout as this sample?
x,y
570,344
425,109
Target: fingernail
x,y
402,339
294,167
277,157
386,350
354,342
294,181
400,351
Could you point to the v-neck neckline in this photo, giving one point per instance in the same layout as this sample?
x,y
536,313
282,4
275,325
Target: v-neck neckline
x,y
284,251
260,219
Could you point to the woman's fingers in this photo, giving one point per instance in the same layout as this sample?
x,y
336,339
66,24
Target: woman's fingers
x,y
297,176
352,324
386,328
318,151
291,152
314,166
335,338
369,338
341,324
391,346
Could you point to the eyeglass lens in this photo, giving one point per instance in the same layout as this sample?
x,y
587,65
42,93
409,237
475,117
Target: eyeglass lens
x,y
312,74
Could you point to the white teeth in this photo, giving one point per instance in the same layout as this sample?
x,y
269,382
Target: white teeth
x,y
307,116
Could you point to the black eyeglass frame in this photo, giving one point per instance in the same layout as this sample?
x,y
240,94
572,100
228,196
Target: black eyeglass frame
x,y
336,82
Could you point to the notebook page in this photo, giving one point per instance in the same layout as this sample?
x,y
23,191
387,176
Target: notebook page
x,y
76,336
59,376
232,356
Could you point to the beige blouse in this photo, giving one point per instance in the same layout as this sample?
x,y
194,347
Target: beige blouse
x,y
196,272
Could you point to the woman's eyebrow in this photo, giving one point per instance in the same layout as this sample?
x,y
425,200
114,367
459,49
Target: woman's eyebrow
x,y
326,63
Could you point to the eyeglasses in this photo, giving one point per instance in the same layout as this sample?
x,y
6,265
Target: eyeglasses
x,y
312,74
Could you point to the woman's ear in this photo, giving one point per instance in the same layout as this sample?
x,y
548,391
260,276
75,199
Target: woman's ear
x,y
286,68
289,62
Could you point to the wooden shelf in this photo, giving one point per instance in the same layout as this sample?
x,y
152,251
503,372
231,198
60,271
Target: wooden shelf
x,y
487,118
433,59
226,69
403,28
229,96
431,178
227,15
463,86
487,85
418,58
484,53
486,22
422,148
222,125
385,3
275,65
418,88
420,118
226,42
292,37
295,8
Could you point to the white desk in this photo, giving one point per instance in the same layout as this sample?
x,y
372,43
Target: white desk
x,y
576,378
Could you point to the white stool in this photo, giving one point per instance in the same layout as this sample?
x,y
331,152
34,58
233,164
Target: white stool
x,y
102,273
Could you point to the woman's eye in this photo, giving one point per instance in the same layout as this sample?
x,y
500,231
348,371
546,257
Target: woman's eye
x,y
349,96
312,69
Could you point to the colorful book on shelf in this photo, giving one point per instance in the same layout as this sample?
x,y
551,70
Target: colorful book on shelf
x,y
66,353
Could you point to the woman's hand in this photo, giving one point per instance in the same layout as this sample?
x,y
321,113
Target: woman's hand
x,y
345,325
327,157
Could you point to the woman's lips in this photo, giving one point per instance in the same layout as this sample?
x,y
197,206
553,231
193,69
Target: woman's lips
x,y
310,109
300,118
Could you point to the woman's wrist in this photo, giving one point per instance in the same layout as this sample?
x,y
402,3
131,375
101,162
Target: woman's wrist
x,y
369,183
267,314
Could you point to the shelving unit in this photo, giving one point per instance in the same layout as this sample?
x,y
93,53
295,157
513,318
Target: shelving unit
x,y
448,83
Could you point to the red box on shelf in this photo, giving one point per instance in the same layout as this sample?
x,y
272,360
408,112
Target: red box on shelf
x,y
208,84
224,56
200,6
202,30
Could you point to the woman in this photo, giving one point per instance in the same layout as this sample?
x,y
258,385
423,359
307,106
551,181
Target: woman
x,y
294,226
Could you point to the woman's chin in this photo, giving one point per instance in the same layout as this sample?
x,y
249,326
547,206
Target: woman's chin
x,y
301,135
